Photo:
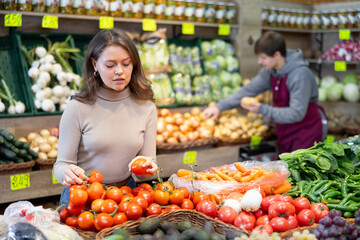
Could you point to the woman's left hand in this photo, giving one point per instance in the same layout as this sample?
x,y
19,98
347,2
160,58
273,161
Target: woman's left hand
x,y
150,164
252,107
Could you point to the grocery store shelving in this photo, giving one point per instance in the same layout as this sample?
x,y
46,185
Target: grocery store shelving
x,y
294,30
330,62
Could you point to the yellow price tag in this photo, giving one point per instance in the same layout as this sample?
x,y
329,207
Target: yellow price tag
x,y
340,66
19,181
189,157
106,22
224,30
13,20
49,21
255,140
54,181
188,28
344,34
329,139
149,24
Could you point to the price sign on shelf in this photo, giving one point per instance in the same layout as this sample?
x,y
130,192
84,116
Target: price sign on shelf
x,y
255,141
344,34
106,22
189,157
149,24
329,139
188,28
54,181
13,20
340,66
49,21
224,30
19,181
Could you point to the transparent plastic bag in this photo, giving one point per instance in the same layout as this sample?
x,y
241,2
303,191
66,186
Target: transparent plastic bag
x,y
21,231
56,231
278,174
27,212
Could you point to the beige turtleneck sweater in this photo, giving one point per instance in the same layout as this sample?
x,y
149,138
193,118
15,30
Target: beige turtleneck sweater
x,y
106,136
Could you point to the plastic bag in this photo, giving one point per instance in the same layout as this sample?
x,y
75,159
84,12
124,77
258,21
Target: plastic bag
x,y
21,231
27,212
56,231
278,174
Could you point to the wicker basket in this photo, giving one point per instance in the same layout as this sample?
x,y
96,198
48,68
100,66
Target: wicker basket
x,y
228,141
352,129
16,167
86,235
337,130
187,145
196,218
45,164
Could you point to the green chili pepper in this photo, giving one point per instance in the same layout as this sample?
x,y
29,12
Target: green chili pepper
x,y
332,194
302,185
313,198
324,188
332,201
306,190
318,185
344,186
351,208
348,214
347,198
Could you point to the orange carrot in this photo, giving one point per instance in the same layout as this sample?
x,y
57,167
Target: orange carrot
x,y
240,167
222,175
283,188
183,172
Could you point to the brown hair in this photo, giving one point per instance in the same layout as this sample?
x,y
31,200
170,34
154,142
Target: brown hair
x,y
269,43
139,85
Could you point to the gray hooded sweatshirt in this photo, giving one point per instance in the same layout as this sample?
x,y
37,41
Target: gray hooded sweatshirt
x,y
301,85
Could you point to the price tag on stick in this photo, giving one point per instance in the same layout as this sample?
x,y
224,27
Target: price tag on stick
x,y
49,21
255,141
188,28
189,157
20,181
149,24
13,20
224,30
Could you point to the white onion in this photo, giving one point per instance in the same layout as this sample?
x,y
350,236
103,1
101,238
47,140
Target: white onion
x,y
234,204
56,68
2,106
70,77
58,91
41,83
61,76
251,201
40,95
47,105
35,64
45,76
67,91
40,52
55,99
35,88
37,103
49,58
19,107
33,72
63,106
11,109
47,92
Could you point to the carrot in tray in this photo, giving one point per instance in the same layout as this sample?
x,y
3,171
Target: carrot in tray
x,y
222,175
240,167
237,176
283,188
183,172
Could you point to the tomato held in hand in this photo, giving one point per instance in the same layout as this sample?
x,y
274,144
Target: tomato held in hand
x,y
320,210
86,220
301,203
227,214
306,217
95,176
137,167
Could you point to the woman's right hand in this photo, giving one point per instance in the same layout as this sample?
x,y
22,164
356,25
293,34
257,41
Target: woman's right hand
x,y
74,175
211,112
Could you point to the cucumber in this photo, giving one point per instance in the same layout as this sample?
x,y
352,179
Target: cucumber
x,y
15,149
19,160
24,145
2,140
7,135
28,158
7,144
6,153
8,162
2,162
17,143
23,153
33,154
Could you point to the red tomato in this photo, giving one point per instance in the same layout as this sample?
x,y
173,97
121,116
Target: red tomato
x,y
281,209
301,203
125,190
293,222
78,197
115,194
119,218
227,214
123,205
320,210
280,224
207,207
187,204
137,167
161,197
128,197
142,202
267,201
74,210
96,205
146,186
166,186
198,197
102,221
263,220
171,207
185,191
64,214
95,176
108,206
72,222
259,213
284,198
136,191
95,191
306,217
86,220
245,221
147,195
154,209
77,186
133,211
176,197
264,229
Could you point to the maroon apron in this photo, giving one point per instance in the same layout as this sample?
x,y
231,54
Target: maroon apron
x,y
295,135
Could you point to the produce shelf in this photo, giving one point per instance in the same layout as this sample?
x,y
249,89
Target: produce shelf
x,y
294,30
116,19
317,61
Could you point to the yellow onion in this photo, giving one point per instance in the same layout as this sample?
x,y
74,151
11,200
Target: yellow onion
x,y
179,121
42,156
169,120
164,112
195,111
52,154
32,136
177,115
22,139
159,138
166,135
45,147
44,133
184,128
169,128
187,115
183,138
176,134
172,140
161,126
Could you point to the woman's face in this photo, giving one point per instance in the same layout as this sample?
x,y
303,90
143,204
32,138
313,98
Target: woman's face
x,y
115,67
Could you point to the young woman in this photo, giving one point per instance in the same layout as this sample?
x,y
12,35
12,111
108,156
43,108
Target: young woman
x,y
112,121
299,120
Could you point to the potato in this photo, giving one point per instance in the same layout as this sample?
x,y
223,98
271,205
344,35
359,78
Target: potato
x,y
45,147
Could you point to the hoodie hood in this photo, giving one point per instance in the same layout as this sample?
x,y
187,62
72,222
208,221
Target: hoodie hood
x,y
294,59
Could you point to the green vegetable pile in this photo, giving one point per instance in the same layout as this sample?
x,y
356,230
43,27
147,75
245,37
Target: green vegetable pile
x,y
323,161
